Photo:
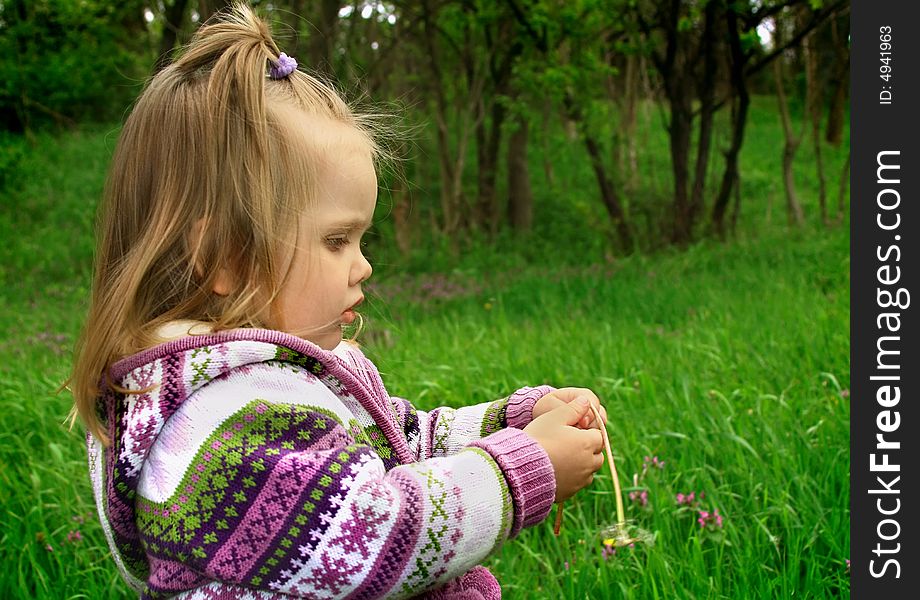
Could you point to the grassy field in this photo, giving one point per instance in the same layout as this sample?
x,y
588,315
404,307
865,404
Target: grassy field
x,y
727,362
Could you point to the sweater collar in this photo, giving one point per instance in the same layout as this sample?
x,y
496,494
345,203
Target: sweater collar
x,y
345,367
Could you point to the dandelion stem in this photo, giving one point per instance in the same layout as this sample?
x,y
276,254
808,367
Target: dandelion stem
x,y
621,516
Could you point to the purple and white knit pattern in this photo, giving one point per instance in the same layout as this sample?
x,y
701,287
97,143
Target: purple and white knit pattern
x,y
254,464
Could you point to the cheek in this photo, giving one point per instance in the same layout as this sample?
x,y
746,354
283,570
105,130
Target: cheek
x,y
306,271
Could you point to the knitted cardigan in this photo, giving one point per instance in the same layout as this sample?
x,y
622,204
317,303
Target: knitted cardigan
x,y
254,464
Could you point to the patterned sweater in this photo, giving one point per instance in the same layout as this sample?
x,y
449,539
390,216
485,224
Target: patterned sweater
x,y
254,464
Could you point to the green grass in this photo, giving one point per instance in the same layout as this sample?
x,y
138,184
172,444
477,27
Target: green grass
x,y
730,362
727,362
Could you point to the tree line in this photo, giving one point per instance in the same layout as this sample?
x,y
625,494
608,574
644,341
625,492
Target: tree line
x,y
480,78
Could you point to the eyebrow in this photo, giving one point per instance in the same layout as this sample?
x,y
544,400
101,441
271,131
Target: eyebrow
x,y
352,225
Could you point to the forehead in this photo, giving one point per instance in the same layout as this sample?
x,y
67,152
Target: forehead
x,y
346,190
317,134
339,164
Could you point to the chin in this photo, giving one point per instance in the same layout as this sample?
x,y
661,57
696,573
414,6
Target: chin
x,y
327,339
329,343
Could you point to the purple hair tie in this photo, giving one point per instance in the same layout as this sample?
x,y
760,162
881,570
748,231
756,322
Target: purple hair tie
x,y
284,67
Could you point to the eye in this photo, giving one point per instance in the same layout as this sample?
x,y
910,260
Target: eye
x,y
337,242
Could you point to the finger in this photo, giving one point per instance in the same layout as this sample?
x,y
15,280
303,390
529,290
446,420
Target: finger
x,y
552,403
592,440
595,424
573,412
598,461
598,441
596,408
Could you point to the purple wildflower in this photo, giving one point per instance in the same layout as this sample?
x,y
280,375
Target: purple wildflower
x,y
685,499
712,520
74,536
690,500
653,461
607,551
639,497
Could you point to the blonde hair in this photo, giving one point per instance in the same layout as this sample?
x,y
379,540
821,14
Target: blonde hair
x,y
203,178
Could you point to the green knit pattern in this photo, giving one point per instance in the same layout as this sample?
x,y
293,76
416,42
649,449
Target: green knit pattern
x,y
215,487
494,418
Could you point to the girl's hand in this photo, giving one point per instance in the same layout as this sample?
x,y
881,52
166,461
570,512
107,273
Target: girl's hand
x,y
576,454
564,396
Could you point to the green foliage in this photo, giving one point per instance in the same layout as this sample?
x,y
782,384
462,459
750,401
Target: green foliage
x,y
63,61
12,149
46,219
750,41
570,223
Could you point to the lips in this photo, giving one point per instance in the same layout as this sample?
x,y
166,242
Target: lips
x,y
348,315
355,305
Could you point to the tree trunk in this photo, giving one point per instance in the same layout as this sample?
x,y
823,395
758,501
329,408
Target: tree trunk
x,y
520,196
839,84
793,207
628,123
294,40
678,89
174,17
488,142
503,51
624,151
819,166
321,38
707,111
609,196
548,171
730,177
207,8
813,102
842,190
736,205
449,209
133,26
790,147
679,131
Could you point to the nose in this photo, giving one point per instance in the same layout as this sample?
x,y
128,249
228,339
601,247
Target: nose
x,y
362,270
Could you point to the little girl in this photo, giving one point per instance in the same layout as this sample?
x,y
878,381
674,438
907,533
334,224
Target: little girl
x,y
238,447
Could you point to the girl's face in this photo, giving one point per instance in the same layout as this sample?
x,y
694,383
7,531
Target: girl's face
x,y
328,267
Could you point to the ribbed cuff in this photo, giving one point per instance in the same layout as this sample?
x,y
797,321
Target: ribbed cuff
x,y
519,412
527,470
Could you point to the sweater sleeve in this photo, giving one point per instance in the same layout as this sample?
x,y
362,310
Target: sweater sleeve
x,y
444,431
257,481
